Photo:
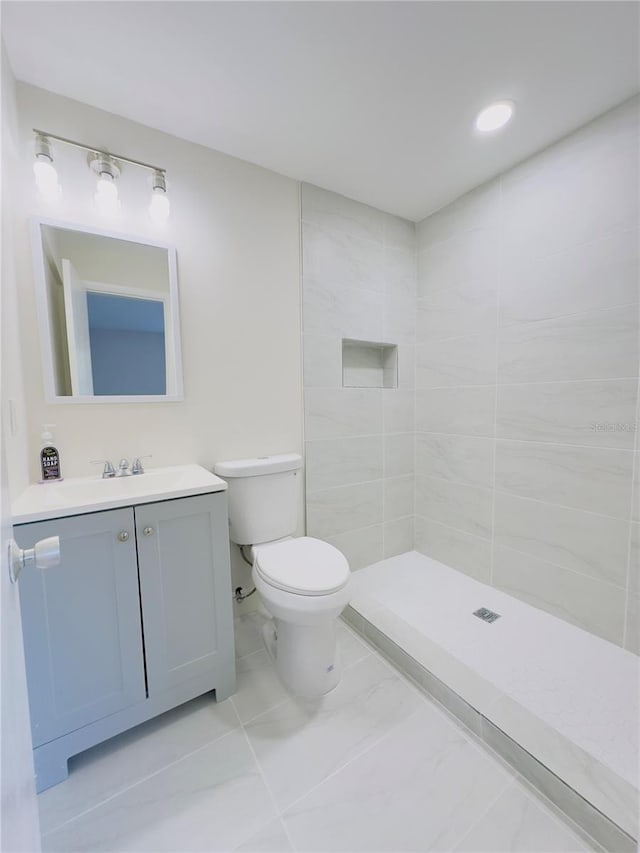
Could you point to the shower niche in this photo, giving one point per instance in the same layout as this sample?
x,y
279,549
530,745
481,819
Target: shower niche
x,y
367,364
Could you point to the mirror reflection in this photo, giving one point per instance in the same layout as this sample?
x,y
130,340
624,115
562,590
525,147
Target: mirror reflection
x,y
109,315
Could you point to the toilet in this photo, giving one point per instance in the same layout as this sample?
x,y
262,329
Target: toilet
x,y
303,582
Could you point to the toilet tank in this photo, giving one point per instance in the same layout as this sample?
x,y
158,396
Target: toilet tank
x,y
263,497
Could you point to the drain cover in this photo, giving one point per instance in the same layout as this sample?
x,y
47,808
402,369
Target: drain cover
x,y
486,615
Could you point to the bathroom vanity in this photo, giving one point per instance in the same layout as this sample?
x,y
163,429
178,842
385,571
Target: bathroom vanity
x,y
136,619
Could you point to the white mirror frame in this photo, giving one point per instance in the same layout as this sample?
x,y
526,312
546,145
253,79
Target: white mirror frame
x,y
172,316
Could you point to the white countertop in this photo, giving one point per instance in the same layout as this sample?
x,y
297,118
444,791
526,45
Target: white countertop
x,y
79,495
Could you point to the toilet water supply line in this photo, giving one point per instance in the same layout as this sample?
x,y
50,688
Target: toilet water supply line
x,y
238,594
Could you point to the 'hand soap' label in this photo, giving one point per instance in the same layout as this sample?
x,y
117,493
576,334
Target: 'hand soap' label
x,y
50,464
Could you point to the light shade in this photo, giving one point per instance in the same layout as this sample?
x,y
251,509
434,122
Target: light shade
x,y
159,206
46,179
494,116
106,197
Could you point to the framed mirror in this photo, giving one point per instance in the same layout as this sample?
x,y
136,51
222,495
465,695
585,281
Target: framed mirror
x,y
108,314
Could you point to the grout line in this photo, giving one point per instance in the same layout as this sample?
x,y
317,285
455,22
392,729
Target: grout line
x,y
146,778
635,496
629,378
270,793
509,784
495,398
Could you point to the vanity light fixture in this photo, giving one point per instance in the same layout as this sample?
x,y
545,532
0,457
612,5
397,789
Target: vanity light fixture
x,y
494,116
44,170
107,171
159,206
107,168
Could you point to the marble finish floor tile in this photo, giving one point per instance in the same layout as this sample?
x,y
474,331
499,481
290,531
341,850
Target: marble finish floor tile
x,y
104,770
372,766
301,742
213,799
517,821
420,788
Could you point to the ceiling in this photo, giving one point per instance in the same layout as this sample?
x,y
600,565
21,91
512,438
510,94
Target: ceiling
x,y
374,100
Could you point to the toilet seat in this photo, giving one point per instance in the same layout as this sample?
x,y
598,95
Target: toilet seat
x,y
304,566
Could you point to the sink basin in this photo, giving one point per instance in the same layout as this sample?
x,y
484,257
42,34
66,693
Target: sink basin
x,y
89,494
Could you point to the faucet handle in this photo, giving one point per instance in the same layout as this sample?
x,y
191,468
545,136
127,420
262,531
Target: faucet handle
x,y
123,468
108,471
137,468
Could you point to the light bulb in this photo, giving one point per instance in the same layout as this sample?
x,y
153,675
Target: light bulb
x,y
494,116
159,207
46,179
106,197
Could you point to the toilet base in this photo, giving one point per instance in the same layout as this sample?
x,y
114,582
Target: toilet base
x,y
306,657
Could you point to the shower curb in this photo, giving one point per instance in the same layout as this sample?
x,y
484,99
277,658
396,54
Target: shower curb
x,y
591,823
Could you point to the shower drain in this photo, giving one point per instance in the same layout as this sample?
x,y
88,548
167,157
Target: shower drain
x,y
486,615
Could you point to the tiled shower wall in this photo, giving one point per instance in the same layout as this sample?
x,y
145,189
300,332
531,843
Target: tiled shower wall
x,y
527,380
359,283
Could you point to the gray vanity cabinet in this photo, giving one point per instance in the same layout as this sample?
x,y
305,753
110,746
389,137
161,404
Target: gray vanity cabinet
x,y
81,623
135,620
184,633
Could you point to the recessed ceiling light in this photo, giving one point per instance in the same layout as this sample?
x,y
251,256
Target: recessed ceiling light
x,y
494,116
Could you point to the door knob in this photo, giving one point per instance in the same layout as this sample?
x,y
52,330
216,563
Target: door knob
x,y
123,536
44,555
148,531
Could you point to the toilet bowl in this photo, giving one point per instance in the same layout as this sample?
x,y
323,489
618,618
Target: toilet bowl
x,y
304,584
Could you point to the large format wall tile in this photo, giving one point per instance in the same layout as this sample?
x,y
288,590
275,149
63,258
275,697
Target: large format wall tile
x,y
339,258
600,344
334,212
595,606
580,477
468,508
632,628
576,191
334,511
398,454
467,553
398,407
460,259
595,545
456,361
399,323
461,458
478,209
400,271
463,411
398,497
342,461
331,308
464,309
398,536
334,413
597,413
322,361
361,546
555,285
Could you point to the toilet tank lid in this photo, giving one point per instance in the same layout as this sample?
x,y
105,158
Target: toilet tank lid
x,y
260,465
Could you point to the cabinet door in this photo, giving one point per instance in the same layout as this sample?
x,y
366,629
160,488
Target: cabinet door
x,y
81,623
185,587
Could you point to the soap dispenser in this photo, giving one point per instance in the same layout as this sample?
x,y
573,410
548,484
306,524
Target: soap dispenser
x,y
49,457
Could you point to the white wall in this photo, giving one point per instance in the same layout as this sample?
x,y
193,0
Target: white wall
x,y
19,814
527,340
236,230
359,282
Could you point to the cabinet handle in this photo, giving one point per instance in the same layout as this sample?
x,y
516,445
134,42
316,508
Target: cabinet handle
x,y
148,531
123,536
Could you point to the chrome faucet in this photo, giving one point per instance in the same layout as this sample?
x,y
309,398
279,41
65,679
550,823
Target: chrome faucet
x,y
137,468
108,470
